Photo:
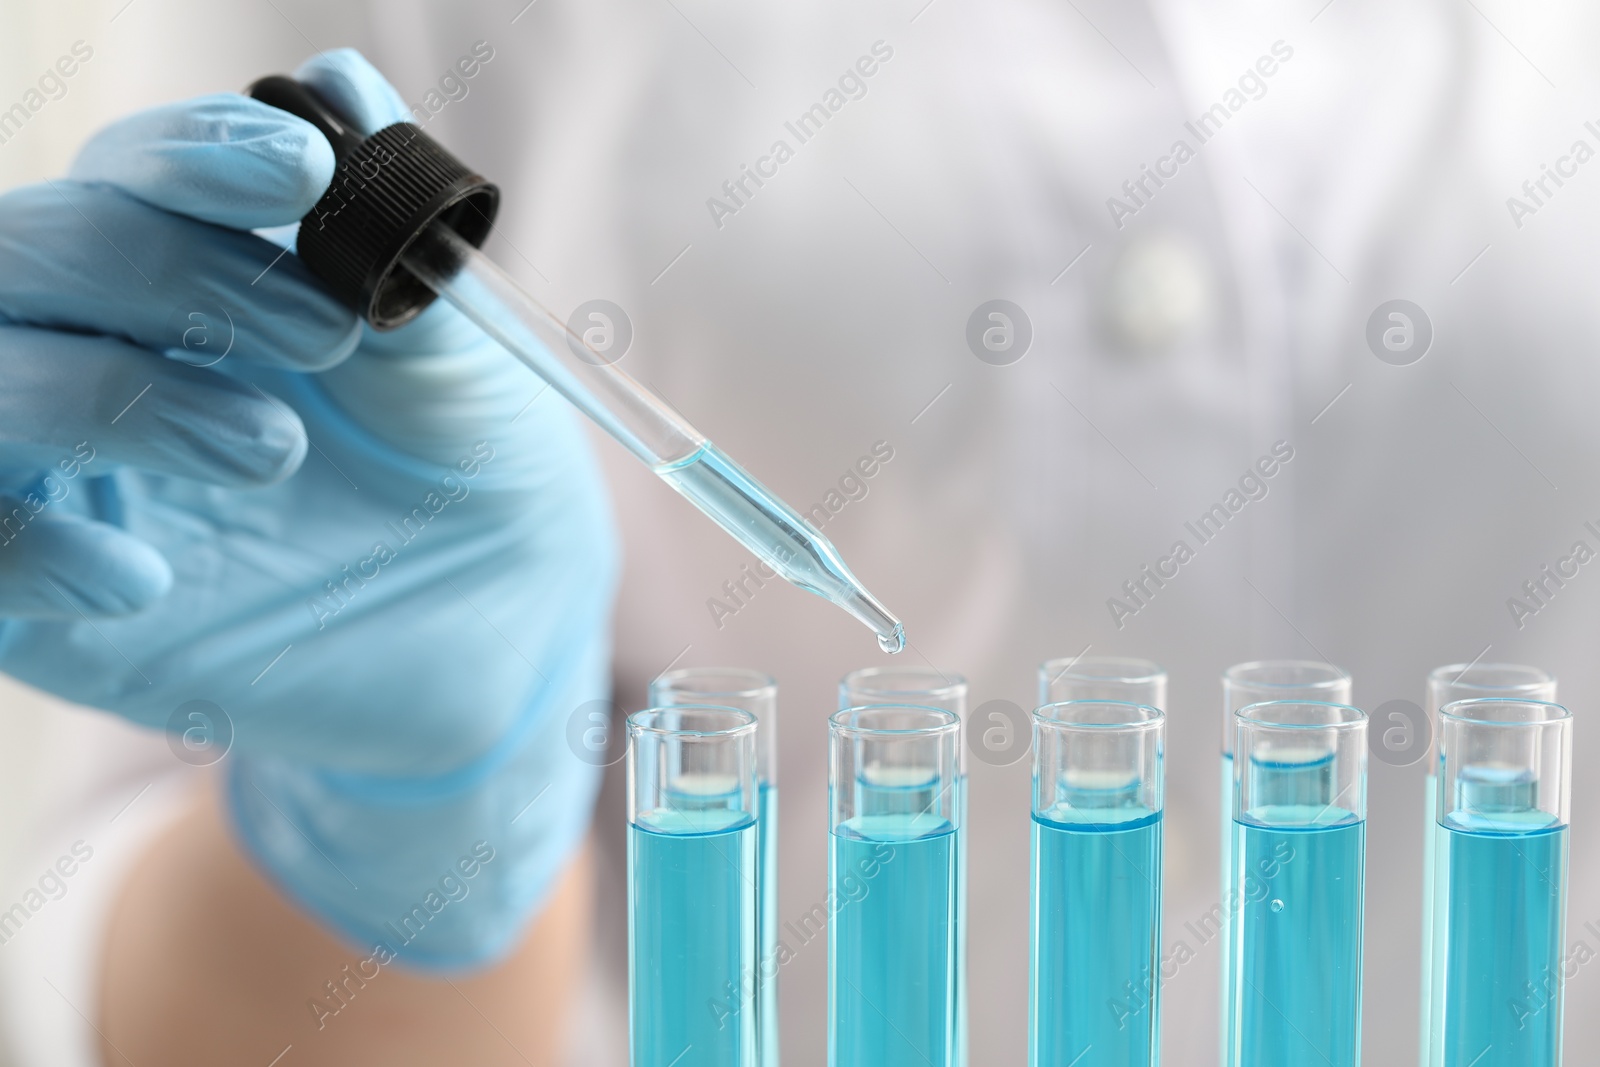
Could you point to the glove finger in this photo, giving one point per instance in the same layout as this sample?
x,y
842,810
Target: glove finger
x,y
54,566
224,158
354,89
96,397
93,258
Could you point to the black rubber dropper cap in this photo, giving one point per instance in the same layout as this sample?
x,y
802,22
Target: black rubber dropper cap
x,y
386,189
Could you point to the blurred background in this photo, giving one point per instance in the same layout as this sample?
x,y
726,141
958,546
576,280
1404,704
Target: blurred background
x,y
1180,328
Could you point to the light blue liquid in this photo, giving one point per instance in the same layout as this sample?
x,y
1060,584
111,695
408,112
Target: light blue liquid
x,y
1096,933
1230,903
692,938
961,924
1430,811
892,952
771,529
1297,939
1499,927
767,925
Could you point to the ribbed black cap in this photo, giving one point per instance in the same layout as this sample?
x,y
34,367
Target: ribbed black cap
x,y
386,189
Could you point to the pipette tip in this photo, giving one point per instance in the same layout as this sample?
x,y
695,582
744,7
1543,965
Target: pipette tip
x,y
864,606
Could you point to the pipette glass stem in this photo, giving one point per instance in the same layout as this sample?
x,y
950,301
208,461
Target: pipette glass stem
x,y
645,425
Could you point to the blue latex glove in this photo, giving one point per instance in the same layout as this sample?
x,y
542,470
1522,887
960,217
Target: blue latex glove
x,y
398,621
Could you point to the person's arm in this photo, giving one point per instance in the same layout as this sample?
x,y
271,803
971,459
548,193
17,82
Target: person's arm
x,y
392,635
206,963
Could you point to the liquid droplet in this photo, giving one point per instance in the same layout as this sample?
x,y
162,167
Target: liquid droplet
x,y
893,642
1276,905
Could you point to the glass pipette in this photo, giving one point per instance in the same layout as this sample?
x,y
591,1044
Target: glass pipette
x,y
643,424
401,210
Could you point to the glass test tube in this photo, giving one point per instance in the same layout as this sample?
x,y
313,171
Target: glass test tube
x,y
923,686
895,828
691,885
1300,797
1244,684
1098,787
1499,911
756,693
1137,681
1446,685
928,687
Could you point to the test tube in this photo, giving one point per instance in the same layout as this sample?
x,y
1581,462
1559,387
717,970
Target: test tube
x,y
1098,785
756,693
928,687
923,686
1244,684
1137,681
691,885
1300,829
894,832
1446,685
1499,911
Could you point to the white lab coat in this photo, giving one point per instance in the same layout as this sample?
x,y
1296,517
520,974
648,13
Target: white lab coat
x,y
1225,314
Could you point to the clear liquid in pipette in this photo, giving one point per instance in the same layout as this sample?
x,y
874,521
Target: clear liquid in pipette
x,y
771,529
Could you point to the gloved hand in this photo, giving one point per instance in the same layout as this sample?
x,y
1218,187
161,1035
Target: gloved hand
x,y
390,571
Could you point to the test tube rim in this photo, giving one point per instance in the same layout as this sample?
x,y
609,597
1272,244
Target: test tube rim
x,y
1565,715
763,682
638,725
1154,672
1544,678
949,722
1359,720
1339,676
1154,722
952,681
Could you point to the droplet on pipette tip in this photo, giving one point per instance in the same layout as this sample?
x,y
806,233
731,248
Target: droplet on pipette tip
x,y
864,606
894,641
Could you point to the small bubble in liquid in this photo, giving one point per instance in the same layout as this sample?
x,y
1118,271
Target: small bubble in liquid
x,y
1276,905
